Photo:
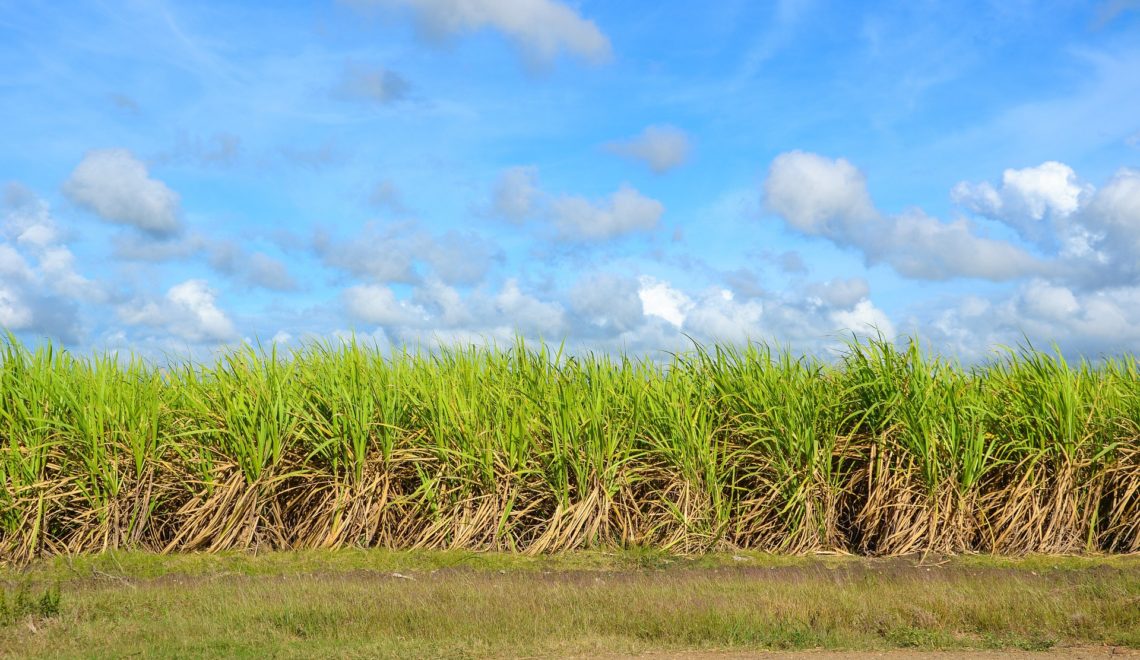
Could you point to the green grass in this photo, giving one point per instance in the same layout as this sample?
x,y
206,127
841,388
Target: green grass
x,y
376,603
885,450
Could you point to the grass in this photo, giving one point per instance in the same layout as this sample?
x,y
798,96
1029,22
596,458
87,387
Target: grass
x,y
886,450
377,603
19,604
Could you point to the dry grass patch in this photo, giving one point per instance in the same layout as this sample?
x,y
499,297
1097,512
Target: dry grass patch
x,y
424,604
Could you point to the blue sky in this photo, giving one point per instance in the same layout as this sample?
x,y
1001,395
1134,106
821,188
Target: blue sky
x,y
188,176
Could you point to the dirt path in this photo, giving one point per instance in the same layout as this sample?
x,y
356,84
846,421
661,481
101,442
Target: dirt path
x,y
1075,653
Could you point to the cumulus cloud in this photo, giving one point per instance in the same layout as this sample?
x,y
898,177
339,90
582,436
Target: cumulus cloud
x,y
117,187
919,246
40,285
1026,198
390,254
224,256
817,195
445,304
267,272
189,311
441,313
813,318
15,314
663,301
1080,292
251,268
840,292
745,282
1111,220
820,196
608,302
456,257
864,319
155,249
541,28
662,147
1088,323
377,304
1092,233
516,196
528,314
717,316
371,84
379,254
623,212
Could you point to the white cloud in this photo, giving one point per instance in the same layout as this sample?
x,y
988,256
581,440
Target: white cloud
x,y
57,268
542,28
919,246
1047,301
225,256
389,253
135,247
447,306
1093,233
662,147
840,292
518,198
824,197
265,271
663,301
811,319
625,211
456,257
516,195
116,186
377,304
14,312
864,319
378,253
189,311
718,316
1089,323
817,195
440,313
1026,198
528,314
198,300
40,286
609,302
13,266
1113,214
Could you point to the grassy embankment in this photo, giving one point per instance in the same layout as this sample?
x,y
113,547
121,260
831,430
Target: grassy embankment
x,y
370,603
883,451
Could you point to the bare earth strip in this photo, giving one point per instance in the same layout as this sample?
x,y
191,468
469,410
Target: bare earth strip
x,y
1075,653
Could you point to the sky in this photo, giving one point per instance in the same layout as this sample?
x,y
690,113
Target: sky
x,y
183,178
